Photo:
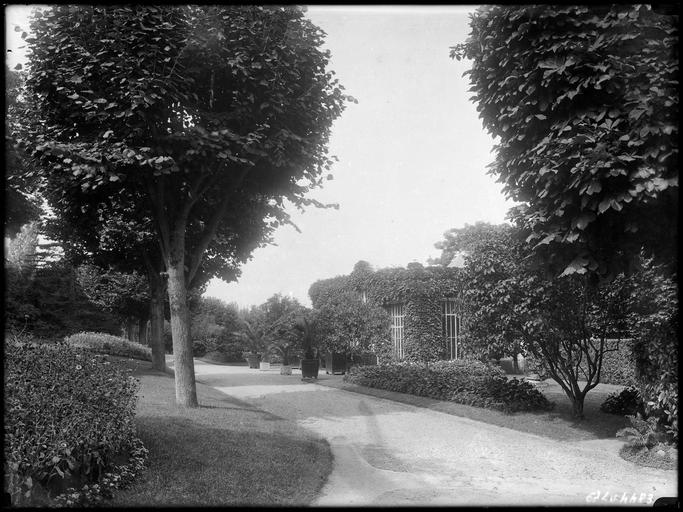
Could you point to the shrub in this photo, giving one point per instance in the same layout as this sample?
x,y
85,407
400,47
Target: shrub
x,y
216,356
198,348
108,344
627,401
464,381
518,395
68,419
641,433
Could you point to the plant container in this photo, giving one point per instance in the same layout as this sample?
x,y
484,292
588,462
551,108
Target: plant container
x,y
285,369
335,362
309,368
253,361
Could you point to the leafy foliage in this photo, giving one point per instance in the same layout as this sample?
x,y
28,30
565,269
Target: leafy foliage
x,y
654,310
583,102
564,322
464,381
625,402
124,294
213,325
22,204
491,256
118,477
107,344
349,326
641,433
420,289
272,327
68,416
48,302
200,109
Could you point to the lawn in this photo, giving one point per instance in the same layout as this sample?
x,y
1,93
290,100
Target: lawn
x,y
225,452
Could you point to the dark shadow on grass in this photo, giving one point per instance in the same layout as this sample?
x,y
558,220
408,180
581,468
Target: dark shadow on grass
x,y
195,464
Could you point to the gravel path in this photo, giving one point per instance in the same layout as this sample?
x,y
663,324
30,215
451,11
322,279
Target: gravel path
x,y
390,453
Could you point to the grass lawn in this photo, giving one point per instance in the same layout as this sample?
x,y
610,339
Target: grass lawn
x,y
557,424
225,452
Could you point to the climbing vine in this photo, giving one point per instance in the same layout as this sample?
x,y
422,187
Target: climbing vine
x,y
420,289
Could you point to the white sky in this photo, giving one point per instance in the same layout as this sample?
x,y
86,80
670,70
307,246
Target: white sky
x,y
412,153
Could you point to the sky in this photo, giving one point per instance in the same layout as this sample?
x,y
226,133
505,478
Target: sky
x,y
412,153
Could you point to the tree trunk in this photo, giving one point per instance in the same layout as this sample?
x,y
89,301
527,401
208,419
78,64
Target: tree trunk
x,y
128,328
185,387
131,328
577,407
142,329
156,314
515,363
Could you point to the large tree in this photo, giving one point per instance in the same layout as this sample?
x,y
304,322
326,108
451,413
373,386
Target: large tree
x,y
197,106
583,102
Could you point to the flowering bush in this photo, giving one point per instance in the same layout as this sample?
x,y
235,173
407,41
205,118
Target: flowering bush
x,y
119,476
108,344
464,381
68,419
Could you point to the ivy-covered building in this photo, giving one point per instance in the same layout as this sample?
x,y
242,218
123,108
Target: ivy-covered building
x,y
422,302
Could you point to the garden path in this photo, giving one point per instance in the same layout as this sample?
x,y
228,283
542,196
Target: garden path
x,y
390,453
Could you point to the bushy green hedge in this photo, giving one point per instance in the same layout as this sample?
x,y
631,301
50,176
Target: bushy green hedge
x,y
464,381
68,419
108,344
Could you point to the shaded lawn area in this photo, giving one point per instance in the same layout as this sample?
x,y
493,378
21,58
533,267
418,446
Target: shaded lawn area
x,y
557,424
226,452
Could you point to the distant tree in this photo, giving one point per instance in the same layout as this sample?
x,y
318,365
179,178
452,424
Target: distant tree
x,y
348,325
278,317
125,295
213,323
197,106
510,304
583,101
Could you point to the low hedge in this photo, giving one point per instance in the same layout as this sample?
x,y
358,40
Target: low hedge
x,y
68,420
108,344
463,381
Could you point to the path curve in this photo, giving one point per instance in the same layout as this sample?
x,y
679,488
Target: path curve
x,y
390,453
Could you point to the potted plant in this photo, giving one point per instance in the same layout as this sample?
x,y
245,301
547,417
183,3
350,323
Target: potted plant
x,y
265,362
310,363
335,362
286,348
253,359
256,341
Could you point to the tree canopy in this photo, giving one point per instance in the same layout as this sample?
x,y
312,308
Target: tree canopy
x,y
583,102
211,112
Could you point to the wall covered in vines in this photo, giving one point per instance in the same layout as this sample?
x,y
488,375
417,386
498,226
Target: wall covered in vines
x,y
420,289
